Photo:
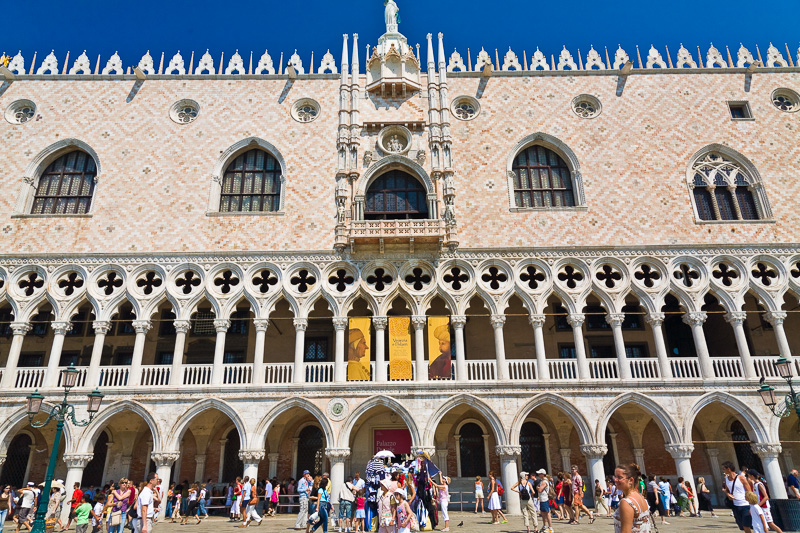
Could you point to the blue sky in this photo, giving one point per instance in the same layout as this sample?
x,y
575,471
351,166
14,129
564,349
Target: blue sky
x,y
103,27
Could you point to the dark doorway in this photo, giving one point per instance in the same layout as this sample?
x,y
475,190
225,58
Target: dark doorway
x,y
609,464
16,464
232,465
741,444
534,453
93,473
310,451
473,452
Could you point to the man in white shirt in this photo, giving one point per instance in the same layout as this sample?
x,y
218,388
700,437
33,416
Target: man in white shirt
x,y
303,490
145,506
542,489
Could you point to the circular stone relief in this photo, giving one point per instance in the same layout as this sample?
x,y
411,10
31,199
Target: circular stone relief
x,y
395,140
337,409
586,106
305,110
465,108
20,112
786,100
184,111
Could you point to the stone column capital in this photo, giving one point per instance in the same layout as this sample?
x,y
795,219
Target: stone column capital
x,y
142,326
222,325
61,327
380,323
536,321
300,324
735,318
251,456
77,460
615,319
508,451
182,326
576,320
21,328
272,457
101,327
419,321
565,452
164,458
655,319
767,450
261,324
713,453
680,450
775,318
458,321
340,323
337,455
498,321
594,450
638,452
695,318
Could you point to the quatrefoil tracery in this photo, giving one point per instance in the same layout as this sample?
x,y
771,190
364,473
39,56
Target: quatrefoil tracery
x,y
532,276
303,280
686,274
725,274
609,276
188,281
148,282
227,280
764,273
570,276
456,277
418,279
795,272
494,277
70,283
111,281
341,280
30,283
264,279
647,275
380,279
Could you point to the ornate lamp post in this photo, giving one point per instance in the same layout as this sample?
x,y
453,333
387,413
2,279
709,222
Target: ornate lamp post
x,y
790,402
60,413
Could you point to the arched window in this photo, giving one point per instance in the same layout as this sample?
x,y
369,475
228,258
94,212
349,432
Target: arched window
x,y
396,195
534,451
724,190
542,179
66,187
252,182
472,450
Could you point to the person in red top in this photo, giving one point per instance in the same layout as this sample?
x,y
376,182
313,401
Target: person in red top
x,y
77,499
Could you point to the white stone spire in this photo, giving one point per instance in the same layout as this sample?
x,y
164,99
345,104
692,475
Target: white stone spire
x,y
345,53
442,60
431,62
355,58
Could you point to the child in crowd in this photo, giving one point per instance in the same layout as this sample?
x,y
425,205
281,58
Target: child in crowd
x,y
360,516
82,514
176,510
756,513
97,515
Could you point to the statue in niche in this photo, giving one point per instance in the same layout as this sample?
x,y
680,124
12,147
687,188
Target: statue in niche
x,y
394,145
449,211
367,158
391,16
341,210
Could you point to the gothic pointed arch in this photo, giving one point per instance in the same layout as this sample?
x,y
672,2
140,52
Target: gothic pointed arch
x,y
668,427
61,179
726,186
90,434
761,432
476,403
544,173
397,175
386,401
260,433
185,420
564,405
250,176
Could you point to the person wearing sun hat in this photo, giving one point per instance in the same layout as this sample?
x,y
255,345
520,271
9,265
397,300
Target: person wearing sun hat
x,y
404,513
386,512
542,486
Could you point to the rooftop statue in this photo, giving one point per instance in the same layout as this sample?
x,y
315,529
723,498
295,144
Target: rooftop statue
x,y
391,16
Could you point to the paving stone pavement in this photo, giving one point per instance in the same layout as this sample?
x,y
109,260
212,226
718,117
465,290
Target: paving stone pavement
x,y
472,524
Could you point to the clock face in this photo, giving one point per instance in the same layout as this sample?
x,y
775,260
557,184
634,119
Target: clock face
x,y
337,409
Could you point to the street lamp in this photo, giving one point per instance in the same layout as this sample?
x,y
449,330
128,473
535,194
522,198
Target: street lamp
x,y
791,401
60,413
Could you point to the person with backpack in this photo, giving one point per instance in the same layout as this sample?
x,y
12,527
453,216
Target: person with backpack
x,y
527,496
544,490
760,488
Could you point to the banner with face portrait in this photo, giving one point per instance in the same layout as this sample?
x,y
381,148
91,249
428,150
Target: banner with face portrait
x,y
439,351
400,348
358,349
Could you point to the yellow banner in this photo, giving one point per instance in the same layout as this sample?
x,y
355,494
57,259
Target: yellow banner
x,y
358,345
439,355
400,347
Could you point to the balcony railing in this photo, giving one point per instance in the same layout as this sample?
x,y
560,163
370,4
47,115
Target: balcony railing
x,y
480,370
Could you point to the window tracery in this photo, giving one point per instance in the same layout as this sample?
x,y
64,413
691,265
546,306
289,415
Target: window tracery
x,y
542,179
66,186
252,182
396,195
724,190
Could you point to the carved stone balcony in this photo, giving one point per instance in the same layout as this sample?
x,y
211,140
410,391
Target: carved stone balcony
x,y
381,233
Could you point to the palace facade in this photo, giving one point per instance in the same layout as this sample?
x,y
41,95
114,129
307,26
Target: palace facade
x,y
613,242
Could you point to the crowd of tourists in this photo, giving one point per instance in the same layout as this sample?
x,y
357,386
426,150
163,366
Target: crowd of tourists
x,y
404,497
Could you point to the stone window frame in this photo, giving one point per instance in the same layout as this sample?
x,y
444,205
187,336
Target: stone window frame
x,y
748,168
384,165
227,157
35,169
566,154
